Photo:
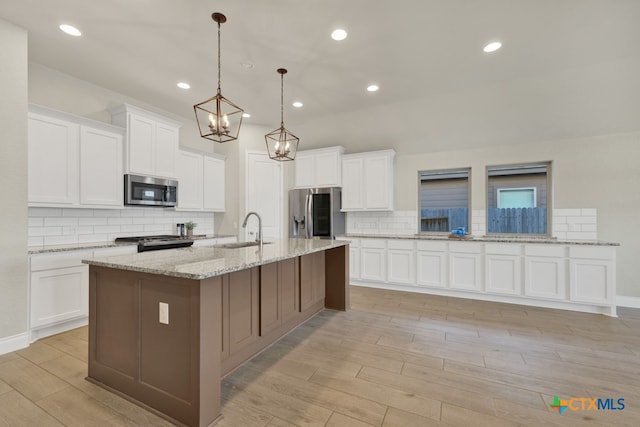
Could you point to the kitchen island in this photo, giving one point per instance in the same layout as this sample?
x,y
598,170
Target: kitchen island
x,y
165,326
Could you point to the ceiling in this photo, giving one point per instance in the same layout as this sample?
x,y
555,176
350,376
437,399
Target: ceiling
x,y
568,68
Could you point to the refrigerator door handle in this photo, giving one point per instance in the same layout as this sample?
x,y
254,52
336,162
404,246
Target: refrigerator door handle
x,y
308,229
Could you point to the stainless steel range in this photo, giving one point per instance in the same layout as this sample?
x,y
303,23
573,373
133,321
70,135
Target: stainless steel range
x,y
157,242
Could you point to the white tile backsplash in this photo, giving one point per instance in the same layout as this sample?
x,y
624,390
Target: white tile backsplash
x,y
57,226
568,224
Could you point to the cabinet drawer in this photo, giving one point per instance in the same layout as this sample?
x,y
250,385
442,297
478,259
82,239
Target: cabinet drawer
x,y
432,246
465,247
592,252
373,243
550,251
400,244
502,249
58,260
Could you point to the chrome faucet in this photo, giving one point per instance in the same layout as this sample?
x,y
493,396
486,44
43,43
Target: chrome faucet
x,y
244,225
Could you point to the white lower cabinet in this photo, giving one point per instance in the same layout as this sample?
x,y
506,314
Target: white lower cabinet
x,y
592,274
465,262
503,271
401,265
571,276
59,289
545,272
431,261
373,260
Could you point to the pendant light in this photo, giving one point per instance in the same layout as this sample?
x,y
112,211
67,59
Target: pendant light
x,y
282,144
218,118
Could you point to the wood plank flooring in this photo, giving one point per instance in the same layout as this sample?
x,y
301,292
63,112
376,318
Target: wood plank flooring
x,y
394,359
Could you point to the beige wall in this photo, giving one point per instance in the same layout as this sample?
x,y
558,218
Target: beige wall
x,y
13,180
597,172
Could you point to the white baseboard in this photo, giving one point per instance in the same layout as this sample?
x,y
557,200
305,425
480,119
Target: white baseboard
x,y
632,302
58,328
14,342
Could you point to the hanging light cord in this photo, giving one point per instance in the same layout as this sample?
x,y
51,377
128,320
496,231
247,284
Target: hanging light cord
x,y
218,57
282,100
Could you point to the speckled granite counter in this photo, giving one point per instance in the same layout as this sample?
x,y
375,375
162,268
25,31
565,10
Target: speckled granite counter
x,y
489,239
204,262
99,245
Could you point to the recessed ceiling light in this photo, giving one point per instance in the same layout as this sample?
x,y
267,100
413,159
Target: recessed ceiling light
x,y
339,34
71,30
246,115
184,85
373,88
492,47
247,65
298,104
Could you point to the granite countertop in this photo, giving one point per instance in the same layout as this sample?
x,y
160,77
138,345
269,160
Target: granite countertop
x,y
99,245
204,262
488,239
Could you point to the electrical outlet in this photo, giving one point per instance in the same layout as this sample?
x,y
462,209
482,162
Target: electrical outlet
x,y
163,313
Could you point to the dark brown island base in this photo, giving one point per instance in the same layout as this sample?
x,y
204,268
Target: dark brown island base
x,y
165,326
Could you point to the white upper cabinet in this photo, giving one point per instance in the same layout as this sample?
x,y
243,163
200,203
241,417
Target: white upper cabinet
x,y
367,181
318,168
101,177
73,161
151,142
213,186
53,161
200,182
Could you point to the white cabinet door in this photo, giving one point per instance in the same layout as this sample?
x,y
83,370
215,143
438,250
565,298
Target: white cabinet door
x,y
352,184
367,181
545,273
190,180
376,184
354,260
58,295
101,176
53,163
465,263
373,260
214,184
327,169
431,261
141,144
401,262
503,271
318,168
592,274
166,149
304,171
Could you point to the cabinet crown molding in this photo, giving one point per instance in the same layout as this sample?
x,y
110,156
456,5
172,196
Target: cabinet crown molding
x,y
74,118
128,108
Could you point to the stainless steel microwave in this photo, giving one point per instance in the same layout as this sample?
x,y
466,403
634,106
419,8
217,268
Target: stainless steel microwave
x,y
149,191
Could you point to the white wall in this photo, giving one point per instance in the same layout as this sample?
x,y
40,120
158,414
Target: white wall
x,y
600,173
13,180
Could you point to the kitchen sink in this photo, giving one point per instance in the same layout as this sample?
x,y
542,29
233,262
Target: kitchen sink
x,y
238,245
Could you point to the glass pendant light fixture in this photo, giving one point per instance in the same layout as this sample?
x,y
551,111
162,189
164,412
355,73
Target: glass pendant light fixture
x,y
282,144
218,118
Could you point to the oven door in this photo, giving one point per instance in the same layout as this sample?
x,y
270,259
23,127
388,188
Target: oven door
x,y
150,191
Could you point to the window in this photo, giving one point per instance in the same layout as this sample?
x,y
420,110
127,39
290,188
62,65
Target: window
x,y
517,199
444,200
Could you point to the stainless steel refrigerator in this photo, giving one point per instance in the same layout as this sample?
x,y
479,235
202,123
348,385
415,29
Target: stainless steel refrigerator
x,y
315,213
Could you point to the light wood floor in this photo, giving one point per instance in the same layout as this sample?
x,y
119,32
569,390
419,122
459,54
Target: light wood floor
x,y
395,359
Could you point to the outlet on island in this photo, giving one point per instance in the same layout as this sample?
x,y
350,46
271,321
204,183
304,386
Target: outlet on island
x,y
164,313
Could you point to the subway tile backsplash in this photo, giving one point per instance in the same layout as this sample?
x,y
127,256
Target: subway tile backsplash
x,y
59,226
568,224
